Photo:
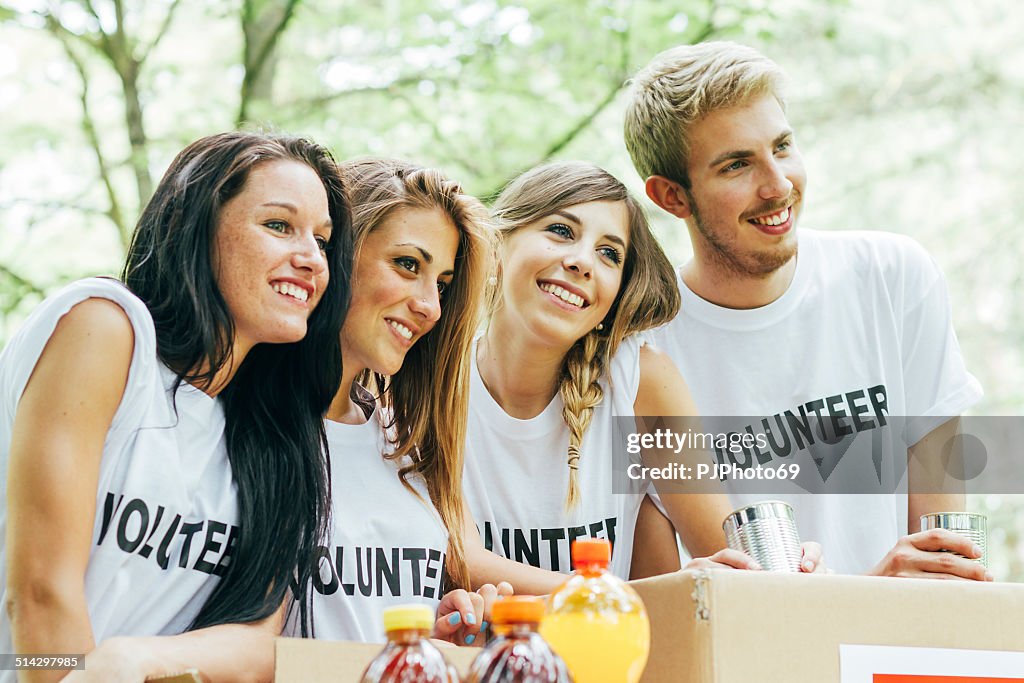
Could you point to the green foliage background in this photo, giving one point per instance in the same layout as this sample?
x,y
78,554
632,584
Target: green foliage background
x,y
908,115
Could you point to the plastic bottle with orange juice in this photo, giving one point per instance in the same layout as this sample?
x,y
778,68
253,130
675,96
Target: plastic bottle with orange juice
x,y
409,656
596,622
518,654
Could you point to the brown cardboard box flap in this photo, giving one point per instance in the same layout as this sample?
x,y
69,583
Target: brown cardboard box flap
x,y
302,660
724,626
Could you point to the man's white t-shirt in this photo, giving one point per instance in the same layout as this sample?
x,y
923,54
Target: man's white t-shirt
x,y
864,329
387,547
516,478
166,517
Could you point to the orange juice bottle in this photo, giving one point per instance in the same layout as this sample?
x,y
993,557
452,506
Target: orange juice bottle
x,y
409,657
518,654
596,622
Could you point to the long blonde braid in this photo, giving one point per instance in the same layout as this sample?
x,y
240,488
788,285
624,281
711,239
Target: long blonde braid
x,y
581,392
647,297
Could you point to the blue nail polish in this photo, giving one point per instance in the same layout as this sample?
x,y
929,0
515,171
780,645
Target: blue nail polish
x,y
470,638
483,625
454,618
470,618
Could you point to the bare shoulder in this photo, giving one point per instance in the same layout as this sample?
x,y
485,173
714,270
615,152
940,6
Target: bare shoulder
x,y
93,340
653,360
99,320
662,389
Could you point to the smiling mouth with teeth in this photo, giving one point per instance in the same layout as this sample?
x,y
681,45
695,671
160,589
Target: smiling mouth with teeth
x,y
773,219
563,294
294,291
402,330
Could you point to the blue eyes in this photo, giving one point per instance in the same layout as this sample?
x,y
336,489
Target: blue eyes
x,y
282,227
611,254
736,165
564,231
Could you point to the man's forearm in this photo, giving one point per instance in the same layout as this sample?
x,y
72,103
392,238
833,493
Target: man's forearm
x,y
932,468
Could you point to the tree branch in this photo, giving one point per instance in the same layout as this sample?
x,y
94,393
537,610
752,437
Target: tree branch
x,y
391,88
146,51
89,128
21,281
440,137
258,51
618,83
54,25
51,205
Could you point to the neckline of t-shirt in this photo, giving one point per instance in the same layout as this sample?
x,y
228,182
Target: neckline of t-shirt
x,y
752,318
545,422
362,432
186,391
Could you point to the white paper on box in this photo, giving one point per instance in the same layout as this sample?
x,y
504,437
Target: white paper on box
x,y
861,663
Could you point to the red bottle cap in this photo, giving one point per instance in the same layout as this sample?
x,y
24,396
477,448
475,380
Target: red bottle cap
x,y
591,551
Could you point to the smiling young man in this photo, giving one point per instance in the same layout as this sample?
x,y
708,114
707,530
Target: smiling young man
x,y
802,331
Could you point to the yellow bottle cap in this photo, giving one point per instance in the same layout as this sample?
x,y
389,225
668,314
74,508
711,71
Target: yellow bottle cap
x,y
403,617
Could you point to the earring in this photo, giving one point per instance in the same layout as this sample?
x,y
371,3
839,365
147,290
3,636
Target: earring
x,y
600,326
492,281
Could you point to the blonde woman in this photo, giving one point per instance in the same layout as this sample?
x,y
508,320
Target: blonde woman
x,y
580,276
396,427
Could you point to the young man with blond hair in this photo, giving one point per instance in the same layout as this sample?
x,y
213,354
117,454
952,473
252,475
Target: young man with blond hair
x,y
802,331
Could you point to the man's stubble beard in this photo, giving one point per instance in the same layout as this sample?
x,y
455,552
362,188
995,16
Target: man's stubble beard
x,y
752,264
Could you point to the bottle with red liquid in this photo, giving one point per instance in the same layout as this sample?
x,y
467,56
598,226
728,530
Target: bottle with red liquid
x,y
596,622
518,654
409,656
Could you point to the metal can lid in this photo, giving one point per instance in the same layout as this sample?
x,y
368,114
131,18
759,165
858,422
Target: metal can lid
x,y
765,509
962,521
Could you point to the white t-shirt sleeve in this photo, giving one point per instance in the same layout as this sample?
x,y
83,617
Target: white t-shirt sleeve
x,y
938,385
25,349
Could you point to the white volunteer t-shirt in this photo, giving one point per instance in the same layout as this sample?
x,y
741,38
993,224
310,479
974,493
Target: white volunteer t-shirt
x,y
166,509
865,327
387,546
515,478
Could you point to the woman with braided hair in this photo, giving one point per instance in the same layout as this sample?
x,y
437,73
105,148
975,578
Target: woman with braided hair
x,y
580,276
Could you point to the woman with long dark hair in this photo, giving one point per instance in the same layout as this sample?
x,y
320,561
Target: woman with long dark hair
x,y
162,439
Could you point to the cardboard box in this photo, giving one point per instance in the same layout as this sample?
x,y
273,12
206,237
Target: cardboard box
x,y
757,627
753,627
321,661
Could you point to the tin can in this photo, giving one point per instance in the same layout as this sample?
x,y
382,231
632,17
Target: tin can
x,y
969,524
767,532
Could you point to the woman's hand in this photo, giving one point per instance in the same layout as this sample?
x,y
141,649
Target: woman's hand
x,y
462,615
115,660
813,561
724,559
